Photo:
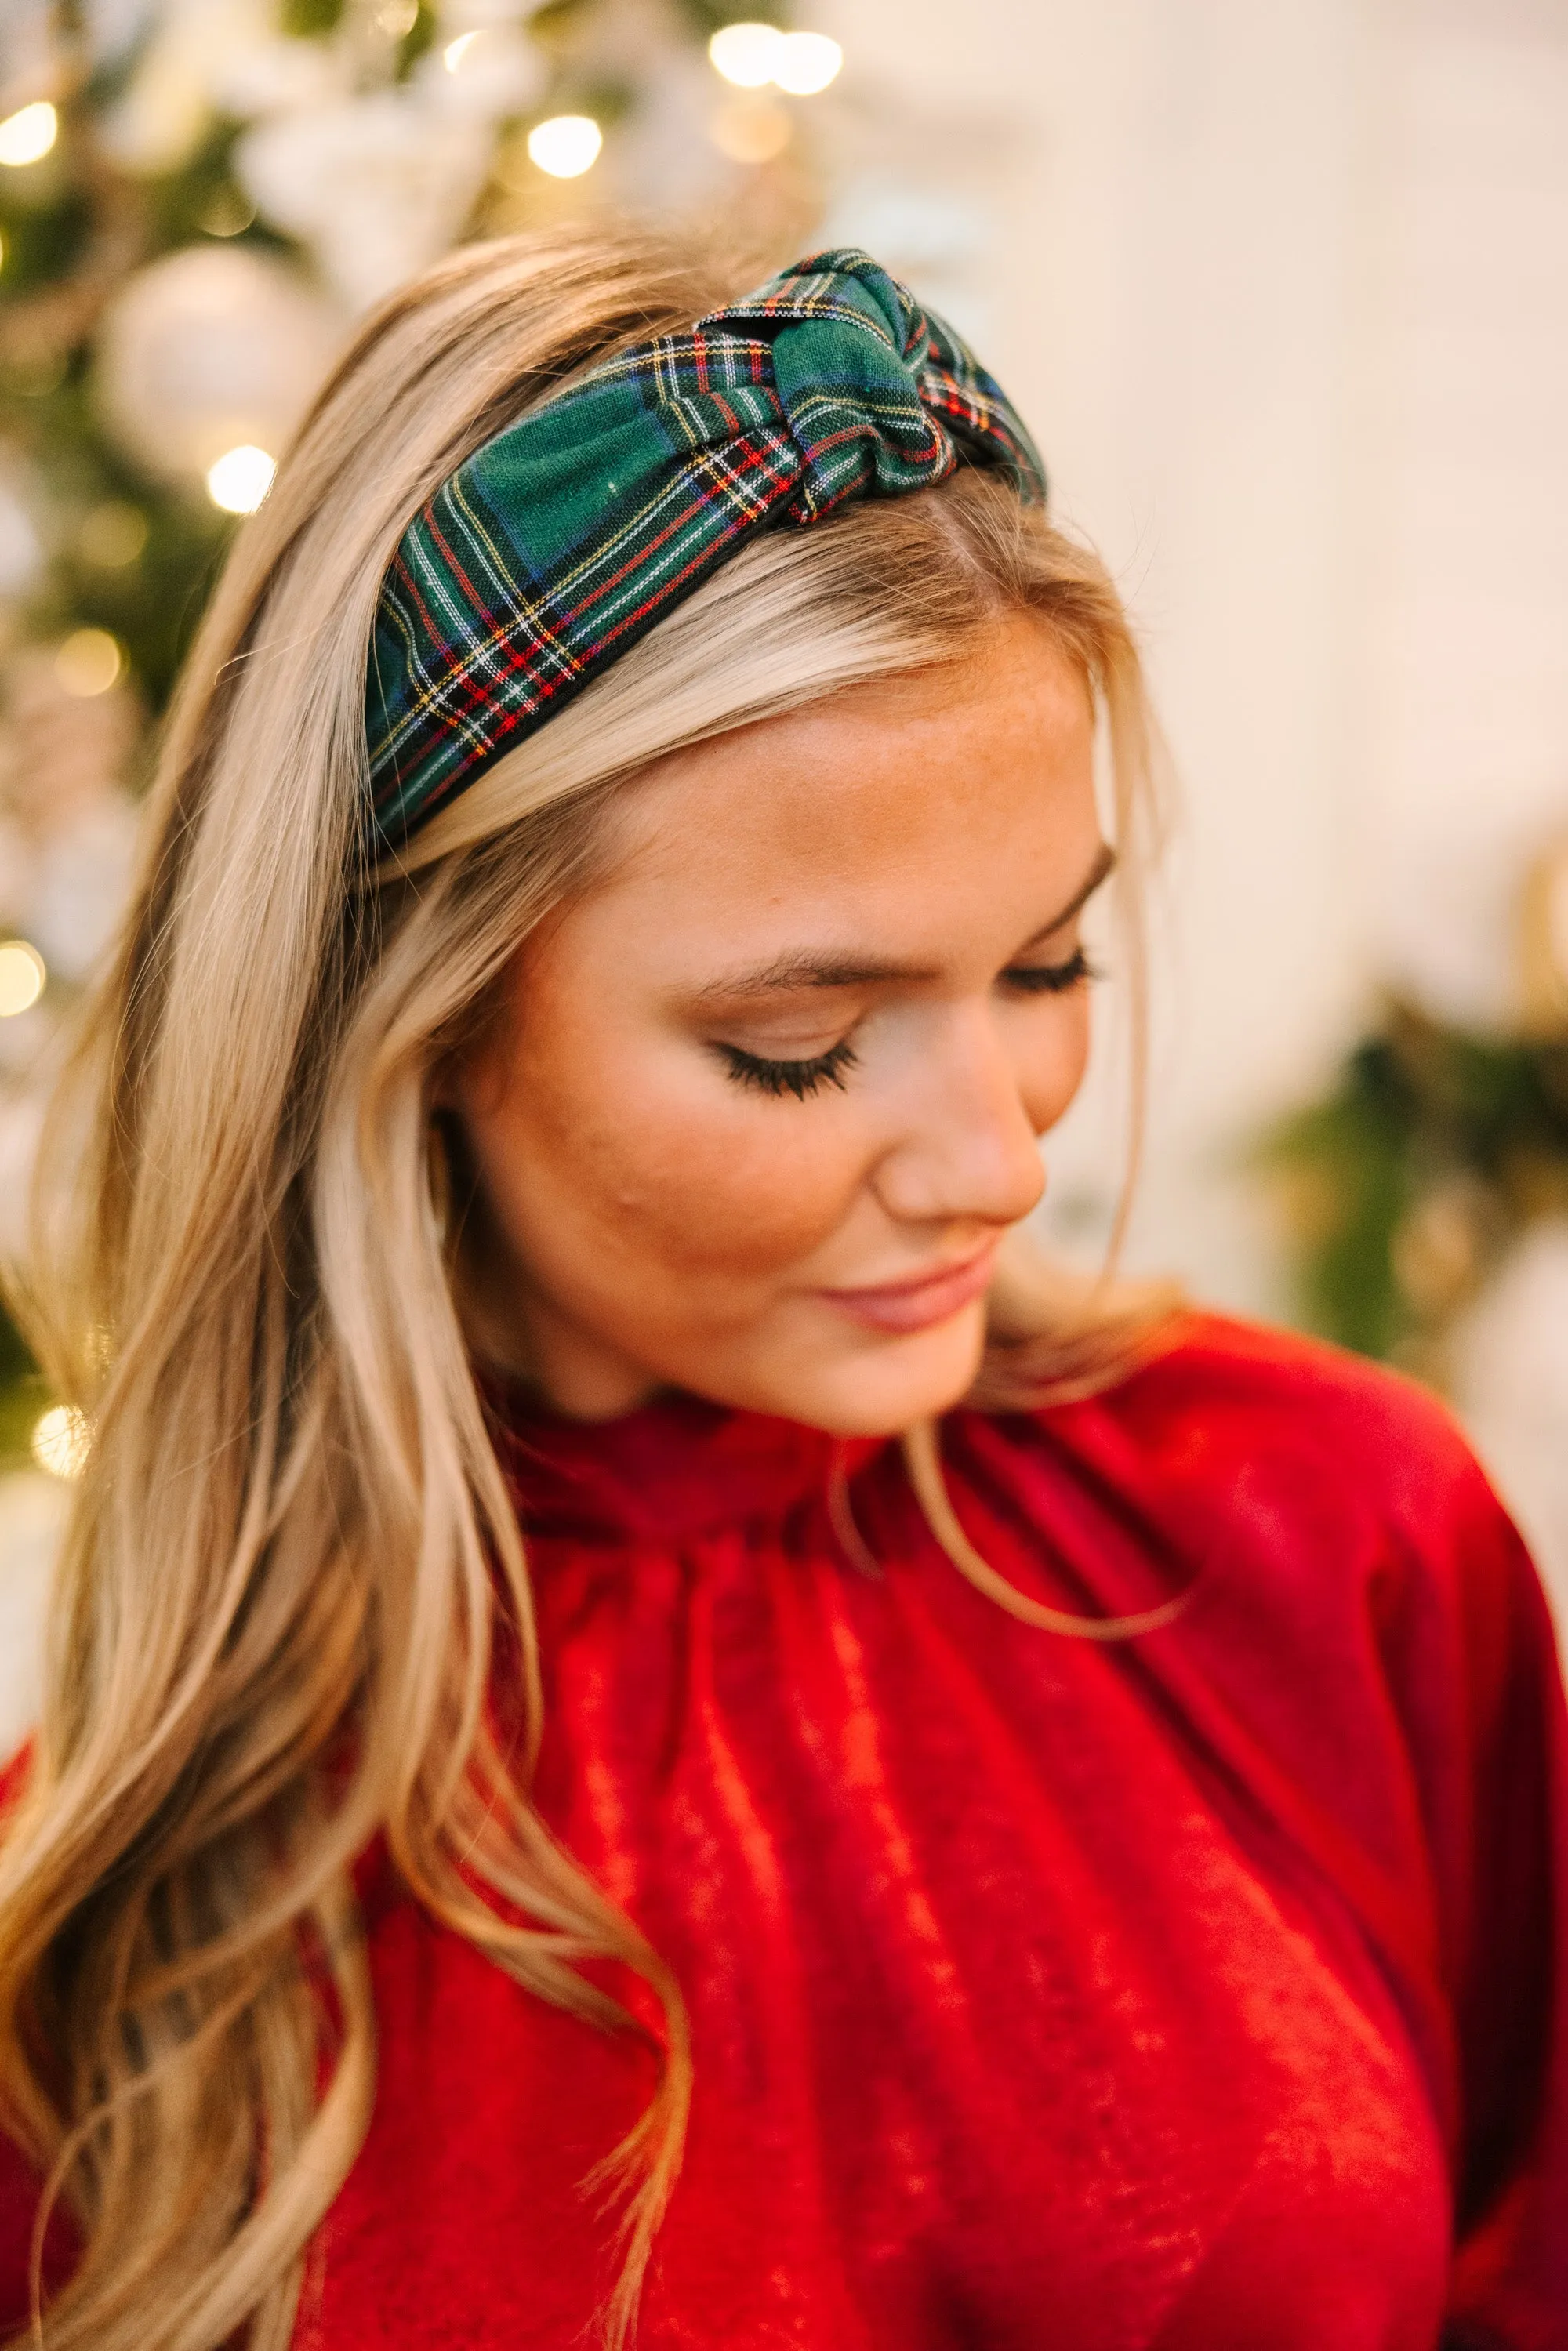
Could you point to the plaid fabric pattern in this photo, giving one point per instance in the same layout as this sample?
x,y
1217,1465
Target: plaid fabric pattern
x,y
559,543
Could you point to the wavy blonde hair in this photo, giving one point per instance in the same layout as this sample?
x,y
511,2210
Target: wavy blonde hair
x,y
272,1632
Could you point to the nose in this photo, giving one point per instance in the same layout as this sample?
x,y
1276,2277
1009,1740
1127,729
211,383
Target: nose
x,y
966,1146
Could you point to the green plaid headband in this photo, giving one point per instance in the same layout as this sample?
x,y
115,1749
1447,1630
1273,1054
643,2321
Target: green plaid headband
x,y
557,545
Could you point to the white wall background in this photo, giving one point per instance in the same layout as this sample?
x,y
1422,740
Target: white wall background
x,y
1284,291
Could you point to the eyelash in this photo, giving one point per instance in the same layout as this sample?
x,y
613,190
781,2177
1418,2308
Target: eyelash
x,y
797,1078
803,1079
1051,979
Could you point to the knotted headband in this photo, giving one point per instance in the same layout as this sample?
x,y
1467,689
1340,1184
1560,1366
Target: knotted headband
x,y
559,543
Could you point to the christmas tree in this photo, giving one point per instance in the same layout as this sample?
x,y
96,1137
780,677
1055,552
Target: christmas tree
x,y
197,197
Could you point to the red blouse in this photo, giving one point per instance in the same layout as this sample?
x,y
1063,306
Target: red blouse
x,y
1194,1992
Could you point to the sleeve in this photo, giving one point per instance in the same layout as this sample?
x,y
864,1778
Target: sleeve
x,y
1507,1890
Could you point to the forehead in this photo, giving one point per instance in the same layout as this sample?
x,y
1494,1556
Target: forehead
x,y
897,808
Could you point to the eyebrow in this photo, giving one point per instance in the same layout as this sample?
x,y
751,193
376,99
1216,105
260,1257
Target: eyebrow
x,y
807,970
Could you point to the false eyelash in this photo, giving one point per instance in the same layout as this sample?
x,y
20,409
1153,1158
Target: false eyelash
x,y
1051,979
797,1078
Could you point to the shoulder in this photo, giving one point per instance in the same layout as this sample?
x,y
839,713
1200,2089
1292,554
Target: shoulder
x,y
1355,1592
1294,1473
1268,1408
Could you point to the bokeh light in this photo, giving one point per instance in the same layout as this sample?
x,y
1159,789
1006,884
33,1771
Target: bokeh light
x,y
806,63
88,661
753,55
22,976
241,478
746,54
111,535
565,145
29,133
60,1440
750,132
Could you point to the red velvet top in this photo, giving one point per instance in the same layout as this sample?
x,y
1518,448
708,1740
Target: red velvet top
x,y
1201,1991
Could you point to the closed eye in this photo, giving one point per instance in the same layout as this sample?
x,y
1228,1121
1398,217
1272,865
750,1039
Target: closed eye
x,y
797,1078
1051,979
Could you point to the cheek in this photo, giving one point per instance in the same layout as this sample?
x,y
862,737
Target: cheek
x,y
651,1160
1053,1070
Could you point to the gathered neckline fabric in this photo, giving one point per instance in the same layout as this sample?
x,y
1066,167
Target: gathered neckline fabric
x,y
674,1466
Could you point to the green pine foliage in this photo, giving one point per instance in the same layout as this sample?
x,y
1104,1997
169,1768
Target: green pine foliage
x,y
125,550
1406,1183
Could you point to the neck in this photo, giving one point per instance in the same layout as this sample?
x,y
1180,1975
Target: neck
x,y
575,1374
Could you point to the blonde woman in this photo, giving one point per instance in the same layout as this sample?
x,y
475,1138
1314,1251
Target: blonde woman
x,y
647,1729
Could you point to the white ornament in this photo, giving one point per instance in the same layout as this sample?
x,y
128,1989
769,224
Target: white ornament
x,y
277,77
209,349
666,158
167,106
377,187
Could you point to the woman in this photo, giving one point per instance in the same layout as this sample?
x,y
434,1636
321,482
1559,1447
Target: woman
x,y
529,1829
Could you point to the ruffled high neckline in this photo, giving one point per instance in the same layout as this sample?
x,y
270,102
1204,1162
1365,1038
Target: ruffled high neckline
x,y
673,1467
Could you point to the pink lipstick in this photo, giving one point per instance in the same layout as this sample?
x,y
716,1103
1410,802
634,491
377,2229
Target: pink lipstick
x,y
917,1303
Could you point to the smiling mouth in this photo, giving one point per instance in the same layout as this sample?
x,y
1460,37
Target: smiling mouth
x,y
927,1298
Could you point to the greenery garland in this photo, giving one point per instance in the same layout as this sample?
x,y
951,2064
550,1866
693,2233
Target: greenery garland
x,y
1406,1185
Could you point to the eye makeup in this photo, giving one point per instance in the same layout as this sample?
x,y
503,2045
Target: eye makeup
x,y
766,1074
1051,979
798,1078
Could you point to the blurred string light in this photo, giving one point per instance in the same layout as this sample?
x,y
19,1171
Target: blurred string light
x,y
60,1440
752,56
453,54
29,133
746,54
565,145
807,63
226,214
111,535
240,478
88,661
22,976
749,132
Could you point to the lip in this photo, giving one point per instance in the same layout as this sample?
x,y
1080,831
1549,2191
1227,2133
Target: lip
x,y
916,1304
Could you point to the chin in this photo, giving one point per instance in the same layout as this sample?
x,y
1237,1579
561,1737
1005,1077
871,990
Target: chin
x,y
877,1387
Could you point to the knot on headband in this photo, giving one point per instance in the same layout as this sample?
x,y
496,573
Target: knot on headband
x,y
563,540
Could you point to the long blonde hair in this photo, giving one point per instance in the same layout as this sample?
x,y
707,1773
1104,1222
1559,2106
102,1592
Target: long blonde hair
x,y
273,1625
